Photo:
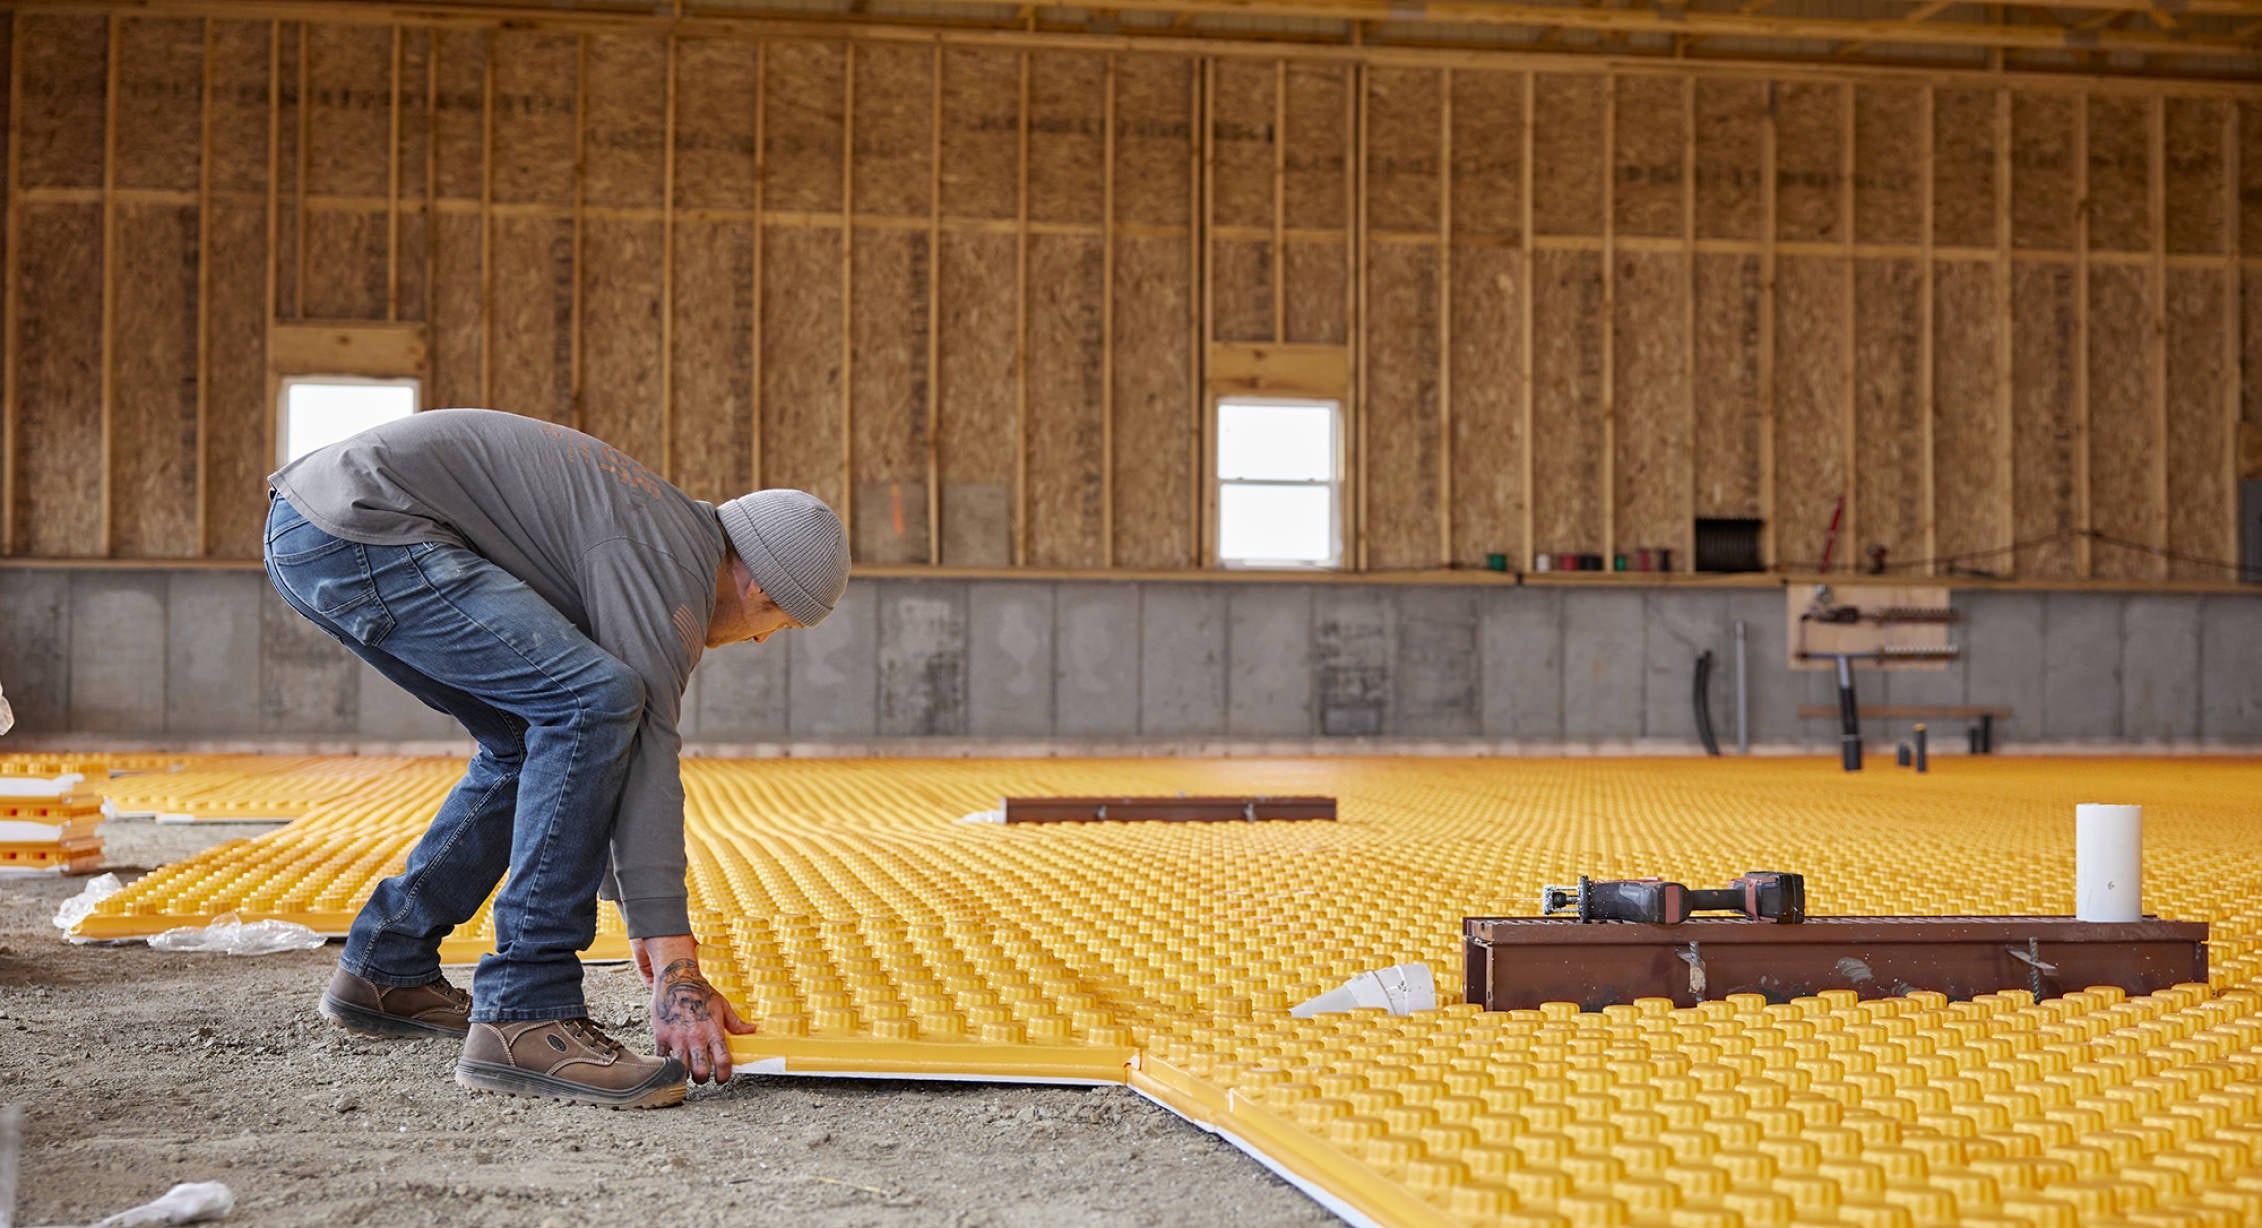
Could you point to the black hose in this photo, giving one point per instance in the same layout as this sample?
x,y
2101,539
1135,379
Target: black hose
x,y
1704,704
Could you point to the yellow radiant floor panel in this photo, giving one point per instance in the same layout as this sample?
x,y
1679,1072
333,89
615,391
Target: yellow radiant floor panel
x,y
867,931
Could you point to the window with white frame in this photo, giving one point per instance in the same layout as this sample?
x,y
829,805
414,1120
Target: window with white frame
x,y
319,410
1279,483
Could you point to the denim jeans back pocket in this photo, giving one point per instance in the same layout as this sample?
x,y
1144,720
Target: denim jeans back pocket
x,y
300,541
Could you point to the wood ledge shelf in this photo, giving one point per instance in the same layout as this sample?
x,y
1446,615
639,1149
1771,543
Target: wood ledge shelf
x,y
1469,576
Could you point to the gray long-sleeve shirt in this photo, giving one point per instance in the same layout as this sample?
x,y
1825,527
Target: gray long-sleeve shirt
x,y
626,557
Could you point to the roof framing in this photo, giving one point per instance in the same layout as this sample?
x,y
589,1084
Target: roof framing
x,y
2189,39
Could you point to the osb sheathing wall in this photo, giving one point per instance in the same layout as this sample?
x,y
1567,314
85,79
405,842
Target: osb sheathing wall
x,y
976,295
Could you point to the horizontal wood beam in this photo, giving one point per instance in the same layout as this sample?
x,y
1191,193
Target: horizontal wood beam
x,y
1235,575
1921,13
1456,12
346,348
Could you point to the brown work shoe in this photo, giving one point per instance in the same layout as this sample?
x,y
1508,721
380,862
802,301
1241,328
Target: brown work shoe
x,y
360,1005
566,1059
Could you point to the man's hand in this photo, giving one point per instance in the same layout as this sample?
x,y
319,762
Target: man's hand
x,y
690,1019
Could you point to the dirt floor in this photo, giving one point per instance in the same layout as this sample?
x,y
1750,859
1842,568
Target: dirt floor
x,y
137,1070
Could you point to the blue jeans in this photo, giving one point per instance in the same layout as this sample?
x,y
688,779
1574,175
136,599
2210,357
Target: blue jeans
x,y
553,715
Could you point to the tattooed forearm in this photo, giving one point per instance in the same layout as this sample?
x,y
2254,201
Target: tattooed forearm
x,y
682,995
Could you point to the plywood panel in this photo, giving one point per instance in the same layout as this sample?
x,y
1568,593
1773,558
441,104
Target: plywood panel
x,y
621,356
1889,494
461,121
1401,426
239,106
536,83
1314,192
1567,490
1315,281
349,118
625,102
1731,132
1652,128
160,96
1963,168
65,65
2194,154
1567,140
2122,442
1067,136
716,88
1888,164
532,330
894,129
2044,180
1809,168
1488,153
415,258
2250,175
1243,102
711,446
349,71
976,427
802,98
1154,381
345,265
2201,507
1810,420
888,395
289,114
238,453
1487,407
981,153
1066,401
2250,360
2045,417
800,360
458,322
1240,290
2120,217
1729,411
58,358
1967,437
1154,134
1402,148
1651,439
153,445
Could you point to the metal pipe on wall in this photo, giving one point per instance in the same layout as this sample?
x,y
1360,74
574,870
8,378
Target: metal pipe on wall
x,y
1743,696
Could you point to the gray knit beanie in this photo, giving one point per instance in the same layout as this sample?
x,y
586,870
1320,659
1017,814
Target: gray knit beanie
x,y
795,547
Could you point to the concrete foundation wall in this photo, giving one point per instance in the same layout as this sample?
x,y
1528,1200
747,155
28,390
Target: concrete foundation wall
x,y
204,656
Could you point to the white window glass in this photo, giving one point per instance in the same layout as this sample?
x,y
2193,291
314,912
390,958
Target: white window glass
x,y
1278,491
1294,443
1275,524
319,412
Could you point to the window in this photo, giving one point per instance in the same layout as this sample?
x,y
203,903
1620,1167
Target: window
x,y
320,410
1279,473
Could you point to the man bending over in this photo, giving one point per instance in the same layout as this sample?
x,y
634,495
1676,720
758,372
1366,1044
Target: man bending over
x,y
552,595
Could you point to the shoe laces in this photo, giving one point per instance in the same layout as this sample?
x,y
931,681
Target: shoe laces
x,y
587,1032
456,998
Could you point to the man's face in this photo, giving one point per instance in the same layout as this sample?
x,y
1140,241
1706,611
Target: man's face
x,y
766,623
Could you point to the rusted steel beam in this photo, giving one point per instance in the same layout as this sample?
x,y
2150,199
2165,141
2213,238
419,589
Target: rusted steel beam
x,y
1516,963
1165,809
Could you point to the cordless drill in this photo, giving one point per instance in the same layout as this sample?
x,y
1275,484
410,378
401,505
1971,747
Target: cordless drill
x,y
1762,895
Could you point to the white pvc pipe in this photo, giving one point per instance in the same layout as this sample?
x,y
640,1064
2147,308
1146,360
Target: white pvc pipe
x,y
2108,862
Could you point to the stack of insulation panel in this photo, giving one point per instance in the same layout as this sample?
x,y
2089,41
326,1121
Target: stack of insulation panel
x,y
46,829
